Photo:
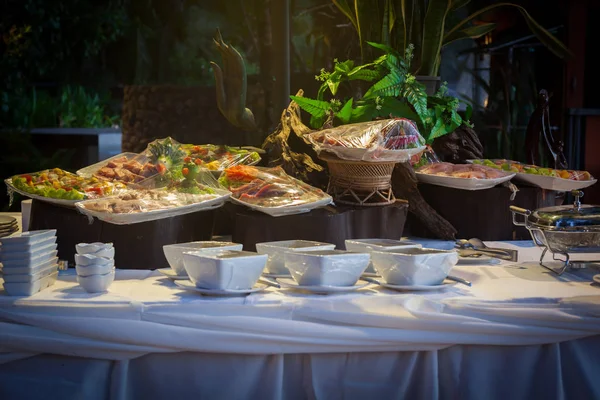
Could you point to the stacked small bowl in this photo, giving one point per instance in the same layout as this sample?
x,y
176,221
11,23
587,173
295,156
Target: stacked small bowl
x,y
95,266
29,262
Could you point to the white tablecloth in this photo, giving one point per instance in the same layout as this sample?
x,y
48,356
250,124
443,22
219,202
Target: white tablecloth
x,y
432,341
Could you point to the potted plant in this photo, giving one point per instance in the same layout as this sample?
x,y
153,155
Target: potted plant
x,y
426,24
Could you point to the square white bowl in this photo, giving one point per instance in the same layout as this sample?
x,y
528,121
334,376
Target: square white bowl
x,y
326,267
414,266
30,261
30,237
225,269
276,252
25,255
27,247
29,269
371,245
31,277
174,252
29,288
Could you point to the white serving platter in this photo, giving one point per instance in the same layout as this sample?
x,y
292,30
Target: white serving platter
x,y
288,210
462,183
134,218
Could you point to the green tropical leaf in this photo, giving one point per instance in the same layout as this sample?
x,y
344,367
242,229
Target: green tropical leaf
x,y
397,108
333,86
416,96
438,130
389,85
456,119
472,32
317,122
363,113
365,75
345,114
316,108
468,112
433,34
383,47
547,39
344,67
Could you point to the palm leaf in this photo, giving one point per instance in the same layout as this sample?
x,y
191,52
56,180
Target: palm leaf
x,y
433,34
472,32
545,37
316,108
389,85
364,75
396,108
416,96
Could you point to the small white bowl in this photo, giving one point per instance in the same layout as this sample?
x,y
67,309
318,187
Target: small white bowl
x,y
174,252
414,266
96,283
371,245
85,260
276,252
95,248
326,267
99,269
226,269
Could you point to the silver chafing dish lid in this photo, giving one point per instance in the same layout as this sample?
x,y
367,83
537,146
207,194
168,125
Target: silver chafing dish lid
x,y
575,217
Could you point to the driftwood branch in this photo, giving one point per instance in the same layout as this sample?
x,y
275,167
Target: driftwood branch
x,y
459,146
286,147
404,184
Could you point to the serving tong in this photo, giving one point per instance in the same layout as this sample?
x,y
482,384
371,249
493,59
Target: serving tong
x,y
475,248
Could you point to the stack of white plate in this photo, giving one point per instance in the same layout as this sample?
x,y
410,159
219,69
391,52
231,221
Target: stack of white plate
x,y
29,262
95,266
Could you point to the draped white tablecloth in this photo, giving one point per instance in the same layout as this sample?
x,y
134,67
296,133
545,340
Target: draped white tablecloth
x,y
387,343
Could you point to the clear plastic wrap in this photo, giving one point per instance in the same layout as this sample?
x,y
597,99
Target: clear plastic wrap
x,y
271,190
218,157
427,157
61,187
156,198
394,140
124,167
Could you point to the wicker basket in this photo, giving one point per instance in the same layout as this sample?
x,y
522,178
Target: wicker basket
x,y
362,183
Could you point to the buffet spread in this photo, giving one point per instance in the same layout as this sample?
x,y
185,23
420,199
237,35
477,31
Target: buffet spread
x,y
171,179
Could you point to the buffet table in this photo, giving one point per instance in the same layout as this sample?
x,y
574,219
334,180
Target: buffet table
x,y
519,332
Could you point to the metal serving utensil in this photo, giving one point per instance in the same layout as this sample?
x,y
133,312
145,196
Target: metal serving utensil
x,y
475,248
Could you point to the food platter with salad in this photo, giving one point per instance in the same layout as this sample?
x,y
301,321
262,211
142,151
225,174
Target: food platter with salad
x,y
545,178
61,187
271,190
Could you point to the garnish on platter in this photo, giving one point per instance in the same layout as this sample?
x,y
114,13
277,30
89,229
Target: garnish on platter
x,y
61,185
218,157
271,190
546,178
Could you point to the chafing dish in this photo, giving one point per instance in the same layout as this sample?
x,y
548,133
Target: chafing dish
x,y
563,230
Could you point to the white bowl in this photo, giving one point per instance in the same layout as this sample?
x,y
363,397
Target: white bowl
x,y
99,269
174,252
276,252
96,283
85,260
30,237
414,266
226,269
371,245
326,267
94,248
29,288
9,256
